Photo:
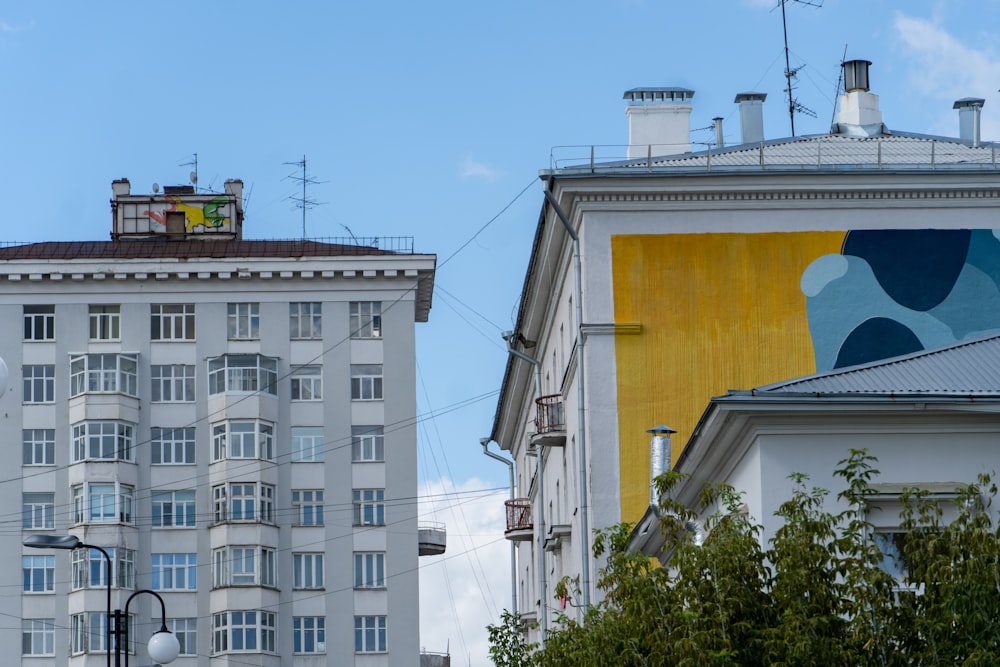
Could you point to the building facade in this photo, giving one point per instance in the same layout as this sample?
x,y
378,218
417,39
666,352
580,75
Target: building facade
x,y
668,275
232,420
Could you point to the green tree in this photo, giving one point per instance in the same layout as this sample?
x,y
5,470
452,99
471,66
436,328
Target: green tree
x,y
816,594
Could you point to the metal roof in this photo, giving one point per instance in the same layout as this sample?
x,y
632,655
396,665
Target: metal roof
x,y
966,368
160,249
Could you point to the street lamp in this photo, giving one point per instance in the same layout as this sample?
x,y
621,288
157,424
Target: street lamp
x,y
163,646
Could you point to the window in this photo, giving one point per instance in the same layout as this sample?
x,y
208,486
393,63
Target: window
x,y
38,636
38,446
309,634
891,545
366,382
367,443
38,573
39,323
89,568
307,571
305,320
369,634
307,383
103,441
239,501
88,633
105,323
103,373
248,439
172,321
366,319
248,373
172,383
175,572
307,443
244,566
247,631
186,631
369,507
37,510
369,569
173,509
308,507
171,446
244,321
39,384
106,502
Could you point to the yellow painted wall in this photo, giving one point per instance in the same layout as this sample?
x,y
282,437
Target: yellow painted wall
x,y
718,312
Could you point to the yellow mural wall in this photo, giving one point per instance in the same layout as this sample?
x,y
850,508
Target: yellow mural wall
x,y
718,312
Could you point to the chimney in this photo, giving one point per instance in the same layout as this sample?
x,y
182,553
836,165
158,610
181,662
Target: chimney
x,y
859,115
120,188
751,117
659,121
969,109
659,458
719,139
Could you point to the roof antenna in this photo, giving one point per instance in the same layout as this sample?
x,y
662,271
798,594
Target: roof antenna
x,y
193,176
836,93
793,104
303,202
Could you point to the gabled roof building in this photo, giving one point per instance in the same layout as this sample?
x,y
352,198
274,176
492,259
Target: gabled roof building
x,y
661,276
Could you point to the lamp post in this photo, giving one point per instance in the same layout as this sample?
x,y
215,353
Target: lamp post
x,y
163,646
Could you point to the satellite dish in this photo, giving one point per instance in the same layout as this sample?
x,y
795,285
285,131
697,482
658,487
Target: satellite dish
x,y
3,377
156,188
194,177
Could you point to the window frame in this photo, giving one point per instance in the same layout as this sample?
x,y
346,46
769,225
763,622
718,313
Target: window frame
x,y
308,573
306,508
368,502
180,568
255,508
172,383
308,444
225,625
38,510
102,440
35,632
38,383
243,321
177,441
88,569
92,373
227,375
186,631
305,320
367,383
370,635
369,570
82,499
176,508
368,444
365,319
38,442
306,383
38,574
38,322
231,435
105,322
308,635
171,322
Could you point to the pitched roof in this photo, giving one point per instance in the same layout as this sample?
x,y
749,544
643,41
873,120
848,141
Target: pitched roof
x,y
970,367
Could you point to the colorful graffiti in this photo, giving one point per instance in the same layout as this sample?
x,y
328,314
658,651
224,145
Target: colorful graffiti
x,y
211,215
736,311
893,292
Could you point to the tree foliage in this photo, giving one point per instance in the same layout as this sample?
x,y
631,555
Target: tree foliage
x,y
816,594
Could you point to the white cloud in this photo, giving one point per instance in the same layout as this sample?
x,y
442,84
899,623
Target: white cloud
x,y
7,27
473,169
464,590
945,68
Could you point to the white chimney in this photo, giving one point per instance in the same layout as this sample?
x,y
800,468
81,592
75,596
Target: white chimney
x,y
659,121
720,139
751,117
859,115
659,458
969,109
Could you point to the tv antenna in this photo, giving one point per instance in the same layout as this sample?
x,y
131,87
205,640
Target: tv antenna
x,y
193,176
303,202
793,104
836,93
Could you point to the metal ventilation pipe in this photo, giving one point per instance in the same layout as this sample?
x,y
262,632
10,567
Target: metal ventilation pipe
x,y
751,117
659,458
856,75
719,141
969,111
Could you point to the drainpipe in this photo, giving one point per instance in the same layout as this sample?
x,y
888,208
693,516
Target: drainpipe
x,y
485,442
581,409
508,337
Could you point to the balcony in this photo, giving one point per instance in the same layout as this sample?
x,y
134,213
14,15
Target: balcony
x,y
519,524
432,538
550,422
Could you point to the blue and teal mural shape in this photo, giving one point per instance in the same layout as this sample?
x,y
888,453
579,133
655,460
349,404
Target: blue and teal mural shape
x,y
893,292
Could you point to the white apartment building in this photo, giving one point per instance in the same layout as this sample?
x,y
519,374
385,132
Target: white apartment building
x,y
664,273
232,420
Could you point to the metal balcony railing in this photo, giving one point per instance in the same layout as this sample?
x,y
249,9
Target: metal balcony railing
x,y
549,414
519,514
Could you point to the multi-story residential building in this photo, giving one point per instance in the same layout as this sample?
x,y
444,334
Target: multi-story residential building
x,y
232,420
667,275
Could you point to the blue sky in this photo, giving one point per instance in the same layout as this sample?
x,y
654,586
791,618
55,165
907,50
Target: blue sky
x,y
430,120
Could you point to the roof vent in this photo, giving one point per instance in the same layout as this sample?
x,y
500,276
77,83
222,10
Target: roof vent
x,y
659,121
969,110
751,116
859,114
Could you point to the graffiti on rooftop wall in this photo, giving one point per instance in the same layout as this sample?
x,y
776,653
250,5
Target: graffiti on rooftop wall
x,y
893,292
211,215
